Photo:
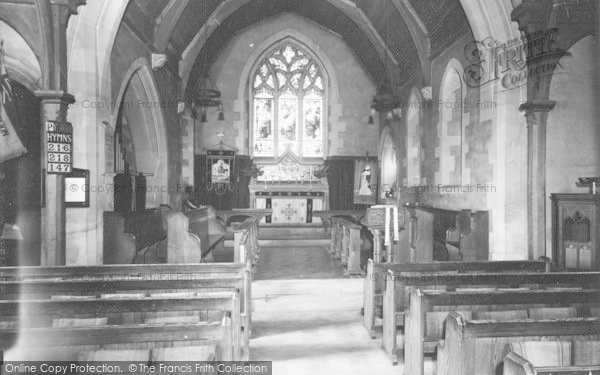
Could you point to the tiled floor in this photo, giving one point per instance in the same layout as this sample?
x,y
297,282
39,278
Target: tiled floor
x,y
306,317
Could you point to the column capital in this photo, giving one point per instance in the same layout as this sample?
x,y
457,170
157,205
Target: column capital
x,y
537,106
531,15
70,6
55,96
55,104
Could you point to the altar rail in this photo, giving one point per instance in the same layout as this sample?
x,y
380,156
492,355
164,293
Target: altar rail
x,y
326,215
228,216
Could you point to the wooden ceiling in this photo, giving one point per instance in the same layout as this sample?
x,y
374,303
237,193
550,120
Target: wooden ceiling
x,y
444,21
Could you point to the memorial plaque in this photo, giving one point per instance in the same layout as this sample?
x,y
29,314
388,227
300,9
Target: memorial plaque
x,y
59,147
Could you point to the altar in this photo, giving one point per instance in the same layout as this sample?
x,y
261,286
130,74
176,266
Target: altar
x,y
289,187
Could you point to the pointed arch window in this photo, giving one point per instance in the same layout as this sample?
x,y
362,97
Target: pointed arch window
x,y
288,91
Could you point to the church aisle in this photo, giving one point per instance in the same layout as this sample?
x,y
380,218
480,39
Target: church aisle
x,y
313,327
297,262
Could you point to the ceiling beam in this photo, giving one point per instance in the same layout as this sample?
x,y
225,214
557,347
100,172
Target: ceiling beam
x,y
228,7
358,16
190,53
419,34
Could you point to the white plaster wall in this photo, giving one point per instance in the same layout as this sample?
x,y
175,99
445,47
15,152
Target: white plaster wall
x,y
573,132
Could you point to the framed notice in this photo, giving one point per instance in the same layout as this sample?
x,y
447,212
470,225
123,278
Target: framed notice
x,y
59,147
365,182
77,188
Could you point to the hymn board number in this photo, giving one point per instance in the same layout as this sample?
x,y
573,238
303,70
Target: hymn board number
x,y
59,143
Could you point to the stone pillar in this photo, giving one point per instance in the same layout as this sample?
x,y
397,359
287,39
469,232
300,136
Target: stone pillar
x,y
537,116
55,100
54,106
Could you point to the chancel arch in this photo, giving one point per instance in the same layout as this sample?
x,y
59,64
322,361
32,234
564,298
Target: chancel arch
x,y
450,128
140,132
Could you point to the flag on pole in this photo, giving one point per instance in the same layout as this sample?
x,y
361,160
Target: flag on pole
x,y
10,144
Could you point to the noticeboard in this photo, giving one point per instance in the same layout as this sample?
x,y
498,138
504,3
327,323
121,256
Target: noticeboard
x,y
59,147
77,192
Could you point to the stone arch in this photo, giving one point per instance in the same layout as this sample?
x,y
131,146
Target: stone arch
x,y
21,62
449,150
414,118
323,71
138,97
332,106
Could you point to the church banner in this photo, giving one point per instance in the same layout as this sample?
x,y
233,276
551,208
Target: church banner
x,y
10,144
220,166
365,182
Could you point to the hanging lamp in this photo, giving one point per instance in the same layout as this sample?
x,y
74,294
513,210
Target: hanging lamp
x,y
207,92
385,100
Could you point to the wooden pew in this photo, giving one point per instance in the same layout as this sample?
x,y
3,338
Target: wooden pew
x,y
345,242
130,235
326,215
126,310
102,272
374,283
557,358
65,344
479,346
450,235
428,307
187,236
395,298
16,282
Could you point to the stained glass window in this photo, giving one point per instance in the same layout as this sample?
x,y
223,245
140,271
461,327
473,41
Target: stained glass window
x,y
288,94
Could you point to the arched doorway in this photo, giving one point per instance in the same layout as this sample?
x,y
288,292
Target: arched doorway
x,y
140,134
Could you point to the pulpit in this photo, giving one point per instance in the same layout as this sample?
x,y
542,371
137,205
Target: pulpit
x,y
396,248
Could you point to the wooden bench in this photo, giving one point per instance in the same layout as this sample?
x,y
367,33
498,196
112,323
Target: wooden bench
x,y
427,311
20,282
441,234
374,283
345,243
130,235
187,236
552,357
395,298
122,311
479,346
68,344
